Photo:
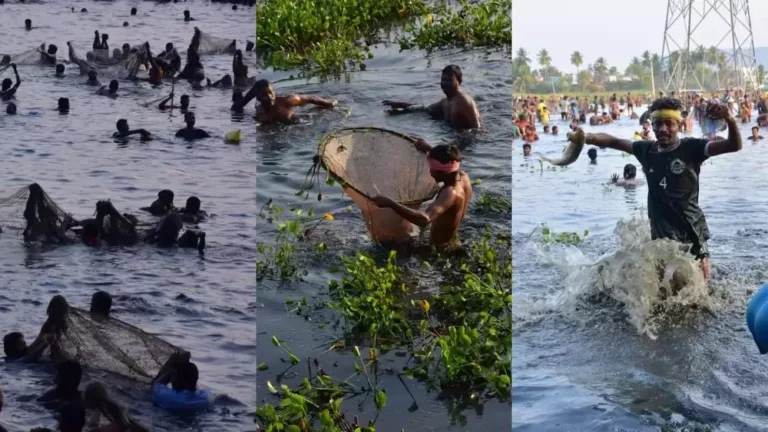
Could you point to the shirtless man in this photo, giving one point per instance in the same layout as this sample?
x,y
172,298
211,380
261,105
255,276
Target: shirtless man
x,y
193,70
60,70
8,92
111,91
274,108
447,212
629,179
458,108
93,79
190,132
672,166
183,103
123,131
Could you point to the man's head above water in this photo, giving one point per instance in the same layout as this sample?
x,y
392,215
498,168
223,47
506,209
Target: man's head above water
x,y
101,303
189,119
11,109
666,120
630,172
264,92
14,345
443,162
52,49
450,80
60,69
6,60
113,86
7,83
192,205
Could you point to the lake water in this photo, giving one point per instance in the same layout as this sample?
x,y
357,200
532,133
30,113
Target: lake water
x,y
578,361
284,156
202,304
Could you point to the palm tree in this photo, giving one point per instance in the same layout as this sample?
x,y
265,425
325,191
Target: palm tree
x,y
648,61
522,56
577,60
600,68
584,78
545,61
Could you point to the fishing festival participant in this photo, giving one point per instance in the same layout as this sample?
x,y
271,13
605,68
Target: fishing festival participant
x,y
447,212
191,133
458,108
671,166
7,91
274,108
183,394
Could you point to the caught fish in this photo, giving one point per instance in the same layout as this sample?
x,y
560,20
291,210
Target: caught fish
x,y
572,151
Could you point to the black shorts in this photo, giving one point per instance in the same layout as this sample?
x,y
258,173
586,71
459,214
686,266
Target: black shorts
x,y
629,105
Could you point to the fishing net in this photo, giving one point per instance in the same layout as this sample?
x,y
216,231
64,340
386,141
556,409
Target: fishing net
x,y
34,56
369,162
115,227
114,346
125,69
33,212
210,44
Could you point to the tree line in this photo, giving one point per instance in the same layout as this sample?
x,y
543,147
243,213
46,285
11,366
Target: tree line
x,y
711,72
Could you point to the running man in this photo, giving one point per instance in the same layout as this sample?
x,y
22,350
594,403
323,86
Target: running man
x,y
672,166
447,212
457,107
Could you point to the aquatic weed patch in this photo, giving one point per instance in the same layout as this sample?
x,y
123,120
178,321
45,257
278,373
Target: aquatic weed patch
x,y
481,24
324,35
457,340
570,238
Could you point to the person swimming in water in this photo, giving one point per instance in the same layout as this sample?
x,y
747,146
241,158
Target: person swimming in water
x,y
274,108
162,205
17,350
190,132
592,154
448,210
123,131
93,79
193,70
183,394
188,17
67,380
63,105
527,149
155,69
166,234
11,109
755,137
111,91
191,212
170,59
60,70
183,103
458,108
48,57
629,179
8,89
101,305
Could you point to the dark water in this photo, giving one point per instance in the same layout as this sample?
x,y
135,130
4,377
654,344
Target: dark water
x,y
590,369
284,156
203,304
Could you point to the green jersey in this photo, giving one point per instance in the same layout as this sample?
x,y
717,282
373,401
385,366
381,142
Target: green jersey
x,y
673,191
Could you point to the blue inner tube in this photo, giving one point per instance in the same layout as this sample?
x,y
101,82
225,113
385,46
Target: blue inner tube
x,y
757,318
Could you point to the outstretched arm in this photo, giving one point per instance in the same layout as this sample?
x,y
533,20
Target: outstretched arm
x,y
299,100
163,105
610,141
444,201
18,79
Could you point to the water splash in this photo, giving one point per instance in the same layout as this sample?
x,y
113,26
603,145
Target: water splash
x,y
653,281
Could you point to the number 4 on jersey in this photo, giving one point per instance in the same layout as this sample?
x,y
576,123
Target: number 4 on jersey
x,y
663,183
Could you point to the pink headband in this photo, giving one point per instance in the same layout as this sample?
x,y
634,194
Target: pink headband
x,y
435,165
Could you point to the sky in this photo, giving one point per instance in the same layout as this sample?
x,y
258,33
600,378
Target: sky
x,y
602,28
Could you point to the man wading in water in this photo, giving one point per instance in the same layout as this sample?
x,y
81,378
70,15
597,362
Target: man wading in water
x,y
447,212
274,108
458,107
672,167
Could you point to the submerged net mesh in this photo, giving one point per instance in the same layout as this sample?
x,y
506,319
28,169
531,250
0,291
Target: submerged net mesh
x,y
125,69
31,210
370,162
210,44
114,346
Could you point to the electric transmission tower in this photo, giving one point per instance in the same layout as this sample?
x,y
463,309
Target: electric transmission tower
x,y
692,27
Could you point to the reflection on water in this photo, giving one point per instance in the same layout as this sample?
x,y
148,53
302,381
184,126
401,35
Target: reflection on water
x,y
285,154
203,304
585,363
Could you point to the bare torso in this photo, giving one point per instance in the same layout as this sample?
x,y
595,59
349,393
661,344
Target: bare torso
x,y
460,111
282,110
445,228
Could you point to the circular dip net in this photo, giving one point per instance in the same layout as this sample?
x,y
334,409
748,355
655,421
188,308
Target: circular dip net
x,y
111,345
369,162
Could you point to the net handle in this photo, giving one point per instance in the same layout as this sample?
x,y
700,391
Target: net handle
x,y
334,132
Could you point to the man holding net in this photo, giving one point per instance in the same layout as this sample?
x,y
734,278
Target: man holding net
x,y
672,167
458,108
445,214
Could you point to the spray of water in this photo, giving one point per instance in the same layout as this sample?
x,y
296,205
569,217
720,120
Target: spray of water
x,y
654,282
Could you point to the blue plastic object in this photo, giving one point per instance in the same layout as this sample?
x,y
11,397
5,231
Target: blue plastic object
x,y
757,318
